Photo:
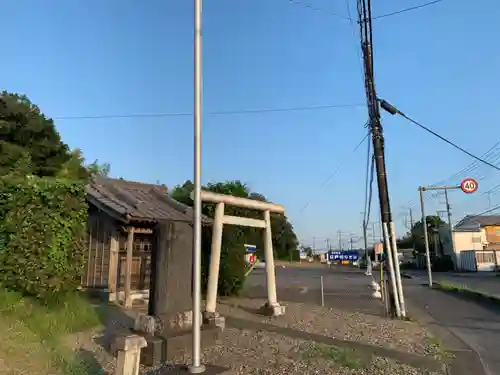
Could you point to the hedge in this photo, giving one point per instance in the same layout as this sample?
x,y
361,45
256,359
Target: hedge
x,y
232,264
42,235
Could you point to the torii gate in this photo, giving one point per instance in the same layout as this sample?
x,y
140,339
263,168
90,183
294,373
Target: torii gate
x,y
272,307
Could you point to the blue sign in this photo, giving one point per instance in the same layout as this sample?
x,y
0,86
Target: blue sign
x,y
251,249
338,256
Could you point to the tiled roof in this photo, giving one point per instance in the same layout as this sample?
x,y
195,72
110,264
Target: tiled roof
x,y
479,220
137,201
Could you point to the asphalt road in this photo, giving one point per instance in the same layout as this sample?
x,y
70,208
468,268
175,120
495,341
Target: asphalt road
x,y
344,287
472,329
476,324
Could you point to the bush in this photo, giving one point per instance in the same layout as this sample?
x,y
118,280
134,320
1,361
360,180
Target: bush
x,y
42,235
232,264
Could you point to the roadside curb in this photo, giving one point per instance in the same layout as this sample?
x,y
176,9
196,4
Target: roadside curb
x,y
465,292
469,293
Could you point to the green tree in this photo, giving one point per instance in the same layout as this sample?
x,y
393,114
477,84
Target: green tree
x,y
308,251
73,167
14,160
23,124
417,233
234,237
99,169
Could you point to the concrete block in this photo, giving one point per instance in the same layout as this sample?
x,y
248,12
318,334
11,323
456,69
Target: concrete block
x,y
274,309
128,350
214,320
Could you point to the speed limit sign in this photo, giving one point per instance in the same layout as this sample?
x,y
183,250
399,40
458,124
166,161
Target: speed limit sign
x,y
469,186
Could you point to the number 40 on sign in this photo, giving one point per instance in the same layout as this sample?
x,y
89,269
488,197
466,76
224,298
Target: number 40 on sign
x,y
469,186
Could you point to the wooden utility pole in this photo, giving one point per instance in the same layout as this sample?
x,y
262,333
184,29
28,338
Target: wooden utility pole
x,y
375,126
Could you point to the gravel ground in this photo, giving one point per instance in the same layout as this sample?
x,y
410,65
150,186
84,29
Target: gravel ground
x,y
251,352
393,334
261,352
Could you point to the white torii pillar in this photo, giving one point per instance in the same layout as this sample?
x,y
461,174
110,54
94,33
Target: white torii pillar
x,y
272,307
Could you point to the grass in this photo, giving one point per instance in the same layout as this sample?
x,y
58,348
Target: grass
x,y
341,356
25,323
466,291
435,347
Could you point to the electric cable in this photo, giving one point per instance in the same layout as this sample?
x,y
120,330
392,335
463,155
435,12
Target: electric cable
x,y
397,12
217,113
492,155
330,178
478,158
367,177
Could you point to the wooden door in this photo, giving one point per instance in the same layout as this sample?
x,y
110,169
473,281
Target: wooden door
x,y
141,263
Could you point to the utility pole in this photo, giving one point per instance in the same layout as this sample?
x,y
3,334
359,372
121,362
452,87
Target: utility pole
x,y
365,22
422,189
365,239
340,239
488,194
452,243
314,245
327,244
411,230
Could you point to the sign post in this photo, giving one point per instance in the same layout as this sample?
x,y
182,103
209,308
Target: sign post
x,y
468,186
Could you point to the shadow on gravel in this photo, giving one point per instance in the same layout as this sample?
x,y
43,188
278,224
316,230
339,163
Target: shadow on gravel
x,y
357,300
364,351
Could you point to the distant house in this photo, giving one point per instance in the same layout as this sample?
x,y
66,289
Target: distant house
x,y
121,213
476,242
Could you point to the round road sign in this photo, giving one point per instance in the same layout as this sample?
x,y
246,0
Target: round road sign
x,y
469,185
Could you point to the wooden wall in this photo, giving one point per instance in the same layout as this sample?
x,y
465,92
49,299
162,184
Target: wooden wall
x,y
106,255
97,258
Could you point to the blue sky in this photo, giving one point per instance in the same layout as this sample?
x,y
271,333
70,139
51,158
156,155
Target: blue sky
x,y
437,64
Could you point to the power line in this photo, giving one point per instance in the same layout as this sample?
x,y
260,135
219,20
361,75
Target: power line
x,y
393,110
349,18
488,211
334,173
318,9
330,178
492,155
407,9
217,113
370,191
452,143
367,177
353,28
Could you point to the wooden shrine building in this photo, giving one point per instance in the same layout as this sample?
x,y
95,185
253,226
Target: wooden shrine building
x,y
122,215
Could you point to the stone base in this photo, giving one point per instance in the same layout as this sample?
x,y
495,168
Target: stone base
x,y
273,310
151,325
162,348
214,320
